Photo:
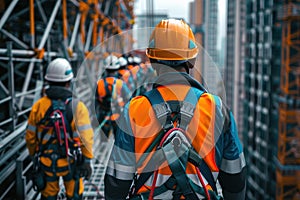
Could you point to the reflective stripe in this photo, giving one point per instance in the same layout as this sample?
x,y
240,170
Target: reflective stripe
x,y
161,179
233,166
121,175
165,195
215,175
119,167
84,127
31,128
39,135
47,137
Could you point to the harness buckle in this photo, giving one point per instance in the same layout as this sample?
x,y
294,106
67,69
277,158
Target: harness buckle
x,y
176,141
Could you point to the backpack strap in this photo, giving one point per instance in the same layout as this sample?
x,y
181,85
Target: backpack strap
x,y
106,87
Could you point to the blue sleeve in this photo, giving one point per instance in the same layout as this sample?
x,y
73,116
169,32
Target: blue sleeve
x,y
122,164
232,145
232,176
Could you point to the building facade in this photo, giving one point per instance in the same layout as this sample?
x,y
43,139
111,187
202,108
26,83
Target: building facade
x,y
262,89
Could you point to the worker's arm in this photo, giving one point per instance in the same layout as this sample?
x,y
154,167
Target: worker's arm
x,y
232,176
85,130
30,137
121,166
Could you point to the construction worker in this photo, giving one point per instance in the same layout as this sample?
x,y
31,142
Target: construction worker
x,y
143,164
53,152
139,73
125,74
111,95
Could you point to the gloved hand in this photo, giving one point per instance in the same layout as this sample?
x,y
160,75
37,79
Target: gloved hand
x,y
86,169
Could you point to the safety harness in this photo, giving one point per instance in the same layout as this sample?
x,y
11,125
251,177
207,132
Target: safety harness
x,y
172,145
60,143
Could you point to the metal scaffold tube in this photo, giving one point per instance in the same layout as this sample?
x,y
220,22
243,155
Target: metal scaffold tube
x,y
33,33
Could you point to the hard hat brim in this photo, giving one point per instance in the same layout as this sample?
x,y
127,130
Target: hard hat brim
x,y
171,54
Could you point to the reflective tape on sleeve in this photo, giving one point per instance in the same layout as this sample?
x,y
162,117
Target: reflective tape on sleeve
x,y
31,128
233,166
84,127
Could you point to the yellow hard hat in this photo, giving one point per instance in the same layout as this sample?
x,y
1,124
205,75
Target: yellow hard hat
x,y
172,39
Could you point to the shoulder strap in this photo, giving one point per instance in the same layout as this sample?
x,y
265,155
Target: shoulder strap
x,y
106,87
162,109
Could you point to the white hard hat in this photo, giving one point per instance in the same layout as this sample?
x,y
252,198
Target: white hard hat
x,y
134,59
111,62
123,61
59,70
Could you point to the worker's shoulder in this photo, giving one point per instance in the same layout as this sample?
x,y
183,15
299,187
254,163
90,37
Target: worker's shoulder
x,y
139,101
42,101
206,96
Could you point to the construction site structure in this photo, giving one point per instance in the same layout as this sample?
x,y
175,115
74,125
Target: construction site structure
x,y
288,160
261,90
32,33
271,104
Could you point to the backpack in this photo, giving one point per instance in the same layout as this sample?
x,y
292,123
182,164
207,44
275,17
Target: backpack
x,y
58,120
173,146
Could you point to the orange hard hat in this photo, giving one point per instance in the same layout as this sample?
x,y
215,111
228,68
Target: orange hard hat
x,y
172,39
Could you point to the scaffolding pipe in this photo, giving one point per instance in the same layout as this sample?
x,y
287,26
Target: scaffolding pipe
x,y
11,85
7,13
89,37
42,12
15,39
49,25
5,100
20,52
22,59
74,34
32,31
65,22
26,82
4,88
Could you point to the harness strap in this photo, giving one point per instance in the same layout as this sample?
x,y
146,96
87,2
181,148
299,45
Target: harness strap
x,y
162,110
178,170
106,87
198,161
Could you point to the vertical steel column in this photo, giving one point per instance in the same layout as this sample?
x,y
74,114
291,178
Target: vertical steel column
x,y
65,22
32,31
11,85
